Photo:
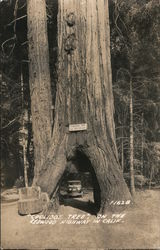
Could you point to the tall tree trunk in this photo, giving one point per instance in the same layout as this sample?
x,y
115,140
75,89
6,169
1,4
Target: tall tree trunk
x,y
142,145
131,142
24,133
39,80
84,95
122,143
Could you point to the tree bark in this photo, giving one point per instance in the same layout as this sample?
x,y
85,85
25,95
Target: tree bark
x,y
84,95
39,80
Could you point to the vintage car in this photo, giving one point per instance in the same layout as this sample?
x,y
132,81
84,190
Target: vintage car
x,y
74,188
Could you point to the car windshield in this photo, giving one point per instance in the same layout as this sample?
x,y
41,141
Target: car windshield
x,y
74,182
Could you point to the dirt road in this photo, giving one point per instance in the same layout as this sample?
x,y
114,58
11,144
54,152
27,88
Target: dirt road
x,y
140,228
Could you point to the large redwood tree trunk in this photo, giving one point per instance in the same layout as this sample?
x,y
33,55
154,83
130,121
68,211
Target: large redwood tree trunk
x,y
84,95
39,81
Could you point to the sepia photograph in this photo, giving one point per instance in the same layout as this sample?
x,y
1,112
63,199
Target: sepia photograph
x,y
80,124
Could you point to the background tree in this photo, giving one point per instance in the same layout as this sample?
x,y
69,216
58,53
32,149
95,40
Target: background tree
x,y
134,40
13,64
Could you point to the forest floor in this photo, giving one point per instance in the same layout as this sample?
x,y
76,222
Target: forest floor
x,y
139,228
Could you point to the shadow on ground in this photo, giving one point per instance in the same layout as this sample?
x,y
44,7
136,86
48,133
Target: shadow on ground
x,y
78,203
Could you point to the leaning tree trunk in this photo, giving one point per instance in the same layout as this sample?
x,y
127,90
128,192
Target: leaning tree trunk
x,y
84,95
39,81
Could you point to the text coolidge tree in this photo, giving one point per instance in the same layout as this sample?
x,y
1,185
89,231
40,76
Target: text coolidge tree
x,y
84,96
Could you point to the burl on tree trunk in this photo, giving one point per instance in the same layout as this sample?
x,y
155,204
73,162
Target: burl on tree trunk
x,y
84,95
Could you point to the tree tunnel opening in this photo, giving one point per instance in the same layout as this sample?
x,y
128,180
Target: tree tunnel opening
x,y
79,168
